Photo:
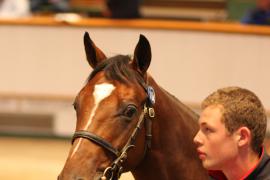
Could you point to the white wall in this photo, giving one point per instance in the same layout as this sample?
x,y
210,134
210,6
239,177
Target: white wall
x,y
51,60
189,64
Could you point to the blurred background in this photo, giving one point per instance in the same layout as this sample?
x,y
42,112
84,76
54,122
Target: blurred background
x,y
197,46
196,10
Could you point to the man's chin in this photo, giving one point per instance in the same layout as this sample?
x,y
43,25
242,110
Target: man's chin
x,y
207,165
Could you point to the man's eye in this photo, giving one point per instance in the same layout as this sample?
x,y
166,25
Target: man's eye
x,y
207,130
130,111
74,106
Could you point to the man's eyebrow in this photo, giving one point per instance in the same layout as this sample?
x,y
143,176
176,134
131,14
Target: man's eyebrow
x,y
205,124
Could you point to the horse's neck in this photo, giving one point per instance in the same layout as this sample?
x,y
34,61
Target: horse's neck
x,y
174,121
173,154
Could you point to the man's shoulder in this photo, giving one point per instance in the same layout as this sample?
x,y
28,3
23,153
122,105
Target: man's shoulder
x,y
266,167
262,172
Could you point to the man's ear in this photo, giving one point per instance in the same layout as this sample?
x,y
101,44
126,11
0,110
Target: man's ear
x,y
243,136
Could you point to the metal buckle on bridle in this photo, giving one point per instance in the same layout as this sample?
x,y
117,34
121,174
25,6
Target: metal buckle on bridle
x,y
107,173
151,112
116,167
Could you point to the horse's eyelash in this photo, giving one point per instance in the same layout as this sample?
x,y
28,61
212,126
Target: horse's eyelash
x,y
74,105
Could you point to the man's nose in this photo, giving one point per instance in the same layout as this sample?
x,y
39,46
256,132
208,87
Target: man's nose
x,y
197,140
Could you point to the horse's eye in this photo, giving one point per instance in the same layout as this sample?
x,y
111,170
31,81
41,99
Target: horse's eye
x,y
130,111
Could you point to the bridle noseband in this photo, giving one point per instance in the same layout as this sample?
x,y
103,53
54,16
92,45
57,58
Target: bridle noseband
x,y
96,139
114,171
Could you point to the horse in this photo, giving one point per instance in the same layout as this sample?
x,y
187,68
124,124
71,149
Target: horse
x,y
127,122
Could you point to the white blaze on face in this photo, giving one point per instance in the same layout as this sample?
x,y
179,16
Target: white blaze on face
x,y
101,91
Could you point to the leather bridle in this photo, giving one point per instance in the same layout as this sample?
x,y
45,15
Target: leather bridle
x,y
114,171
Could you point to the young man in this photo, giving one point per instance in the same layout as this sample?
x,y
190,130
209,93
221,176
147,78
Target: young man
x,y
232,129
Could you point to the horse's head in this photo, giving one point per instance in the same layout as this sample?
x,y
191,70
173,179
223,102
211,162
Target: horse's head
x,y
109,108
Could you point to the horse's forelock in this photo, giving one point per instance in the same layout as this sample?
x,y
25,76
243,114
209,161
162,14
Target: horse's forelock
x,y
116,68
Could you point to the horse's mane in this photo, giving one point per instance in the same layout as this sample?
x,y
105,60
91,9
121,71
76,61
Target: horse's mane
x,y
116,68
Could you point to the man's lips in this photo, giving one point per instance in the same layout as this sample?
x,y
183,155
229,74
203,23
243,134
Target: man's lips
x,y
201,154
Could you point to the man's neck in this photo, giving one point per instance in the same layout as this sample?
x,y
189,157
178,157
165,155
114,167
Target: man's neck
x,y
241,166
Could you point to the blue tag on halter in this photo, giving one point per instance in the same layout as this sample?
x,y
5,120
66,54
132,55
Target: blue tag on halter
x,y
151,94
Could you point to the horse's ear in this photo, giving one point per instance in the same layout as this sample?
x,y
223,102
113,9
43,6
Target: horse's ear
x,y
142,55
93,54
